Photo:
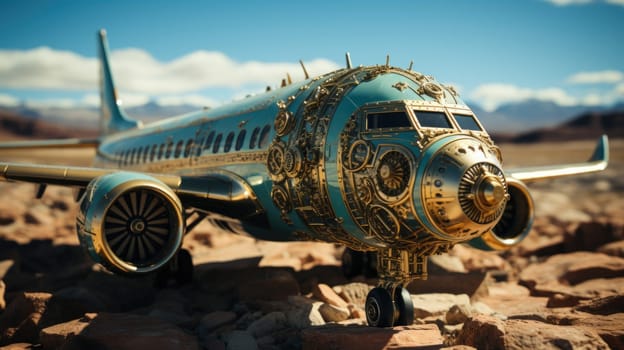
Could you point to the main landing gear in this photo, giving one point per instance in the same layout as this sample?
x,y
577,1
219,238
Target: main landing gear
x,y
388,307
389,304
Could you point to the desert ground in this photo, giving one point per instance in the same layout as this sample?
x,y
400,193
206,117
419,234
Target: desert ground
x,y
562,287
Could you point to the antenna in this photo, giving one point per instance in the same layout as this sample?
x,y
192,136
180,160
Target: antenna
x,y
410,65
348,58
387,60
288,78
305,71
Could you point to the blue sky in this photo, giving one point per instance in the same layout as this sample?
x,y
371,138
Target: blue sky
x,y
209,52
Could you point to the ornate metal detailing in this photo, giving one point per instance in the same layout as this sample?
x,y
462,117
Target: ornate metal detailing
x,y
384,222
398,267
275,161
293,162
464,173
393,175
431,89
482,190
284,122
358,155
400,86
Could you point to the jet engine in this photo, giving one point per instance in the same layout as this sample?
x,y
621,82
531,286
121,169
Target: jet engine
x,y
515,222
130,222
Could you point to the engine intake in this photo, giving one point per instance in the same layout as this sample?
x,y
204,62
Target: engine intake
x,y
130,223
515,222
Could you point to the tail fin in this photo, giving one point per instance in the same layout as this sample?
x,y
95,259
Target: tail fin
x,y
113,118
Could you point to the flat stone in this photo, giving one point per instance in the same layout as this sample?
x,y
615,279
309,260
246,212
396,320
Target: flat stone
x,y
483,332
603,306
118,331
269,284
326,294
458,314
613,249
364,338
332,313
268,324
240,340
527,334
437,304
304,313
473,284
355,293
20,322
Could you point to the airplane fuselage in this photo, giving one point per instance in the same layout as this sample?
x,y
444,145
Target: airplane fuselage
x,y
344,157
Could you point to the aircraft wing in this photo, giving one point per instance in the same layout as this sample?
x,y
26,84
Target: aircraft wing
x,y
597,162
42,144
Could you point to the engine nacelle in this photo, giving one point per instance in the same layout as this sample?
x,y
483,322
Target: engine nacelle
x,y
130,222
515,223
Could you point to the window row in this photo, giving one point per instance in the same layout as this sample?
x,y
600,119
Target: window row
x,y
426,119
184,149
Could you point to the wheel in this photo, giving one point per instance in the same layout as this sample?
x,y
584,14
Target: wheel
x,y
352,262
405,307
379,308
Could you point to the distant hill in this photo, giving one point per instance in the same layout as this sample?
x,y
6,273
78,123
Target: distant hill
x,y
14,127
585,126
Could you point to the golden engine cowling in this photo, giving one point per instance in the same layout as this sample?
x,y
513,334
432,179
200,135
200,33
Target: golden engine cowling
x,y
515,222
130,222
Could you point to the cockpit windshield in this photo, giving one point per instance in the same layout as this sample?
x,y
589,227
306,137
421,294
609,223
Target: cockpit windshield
x,y
388,120
429,119
467,122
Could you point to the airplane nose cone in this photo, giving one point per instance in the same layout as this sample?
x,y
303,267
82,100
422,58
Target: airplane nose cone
x,y
490,192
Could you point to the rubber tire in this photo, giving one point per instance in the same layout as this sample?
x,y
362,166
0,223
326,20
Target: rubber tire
x,y
379,308
404,304
352,262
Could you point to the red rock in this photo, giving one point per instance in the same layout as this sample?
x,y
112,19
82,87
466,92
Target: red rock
x,y
573,268
473,284
20,321
486,332
603,306
2,301
355,293
270,285
479,260
332,313
117,331
483,332
609,328
589,236
363,338
325,293
613,249
526,334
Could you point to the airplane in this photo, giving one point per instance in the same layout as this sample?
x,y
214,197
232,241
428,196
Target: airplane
x,y
378,158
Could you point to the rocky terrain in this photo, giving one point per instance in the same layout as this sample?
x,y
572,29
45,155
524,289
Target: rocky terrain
x,y
562,287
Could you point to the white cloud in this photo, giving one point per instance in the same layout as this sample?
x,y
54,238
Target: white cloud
x,y
584,2
136,71
8,100
599,77
193,99
492,95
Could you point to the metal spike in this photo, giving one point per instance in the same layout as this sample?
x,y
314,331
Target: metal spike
x,y
288,78
387,60
348,58
410,66
305,71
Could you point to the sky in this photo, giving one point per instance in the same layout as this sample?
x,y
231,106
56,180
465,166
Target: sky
x,y
210,52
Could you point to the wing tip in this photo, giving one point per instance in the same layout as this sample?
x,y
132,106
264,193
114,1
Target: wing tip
x,y
601,153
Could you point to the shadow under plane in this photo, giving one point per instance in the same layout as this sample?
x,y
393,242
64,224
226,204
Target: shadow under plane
x,y
377,158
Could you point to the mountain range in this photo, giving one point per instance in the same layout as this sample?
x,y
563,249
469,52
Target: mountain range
x,y
518,122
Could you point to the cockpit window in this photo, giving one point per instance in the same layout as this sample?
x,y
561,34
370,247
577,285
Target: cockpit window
x,y
387,120
467,122
428,119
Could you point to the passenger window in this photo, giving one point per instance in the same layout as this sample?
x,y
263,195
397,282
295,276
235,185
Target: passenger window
x,y
198,148
228,142
217,143
178,149
240,139
187,149
467,122
153,153
139,154
169,149
387,120
254,138
209,140
433,120
264,137
132,156
161,151
145,154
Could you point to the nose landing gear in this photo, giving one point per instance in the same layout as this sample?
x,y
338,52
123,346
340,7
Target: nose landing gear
x,y
383,310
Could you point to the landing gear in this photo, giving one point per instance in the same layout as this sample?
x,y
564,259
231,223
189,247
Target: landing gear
x,y
180,269
382,310
355,263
